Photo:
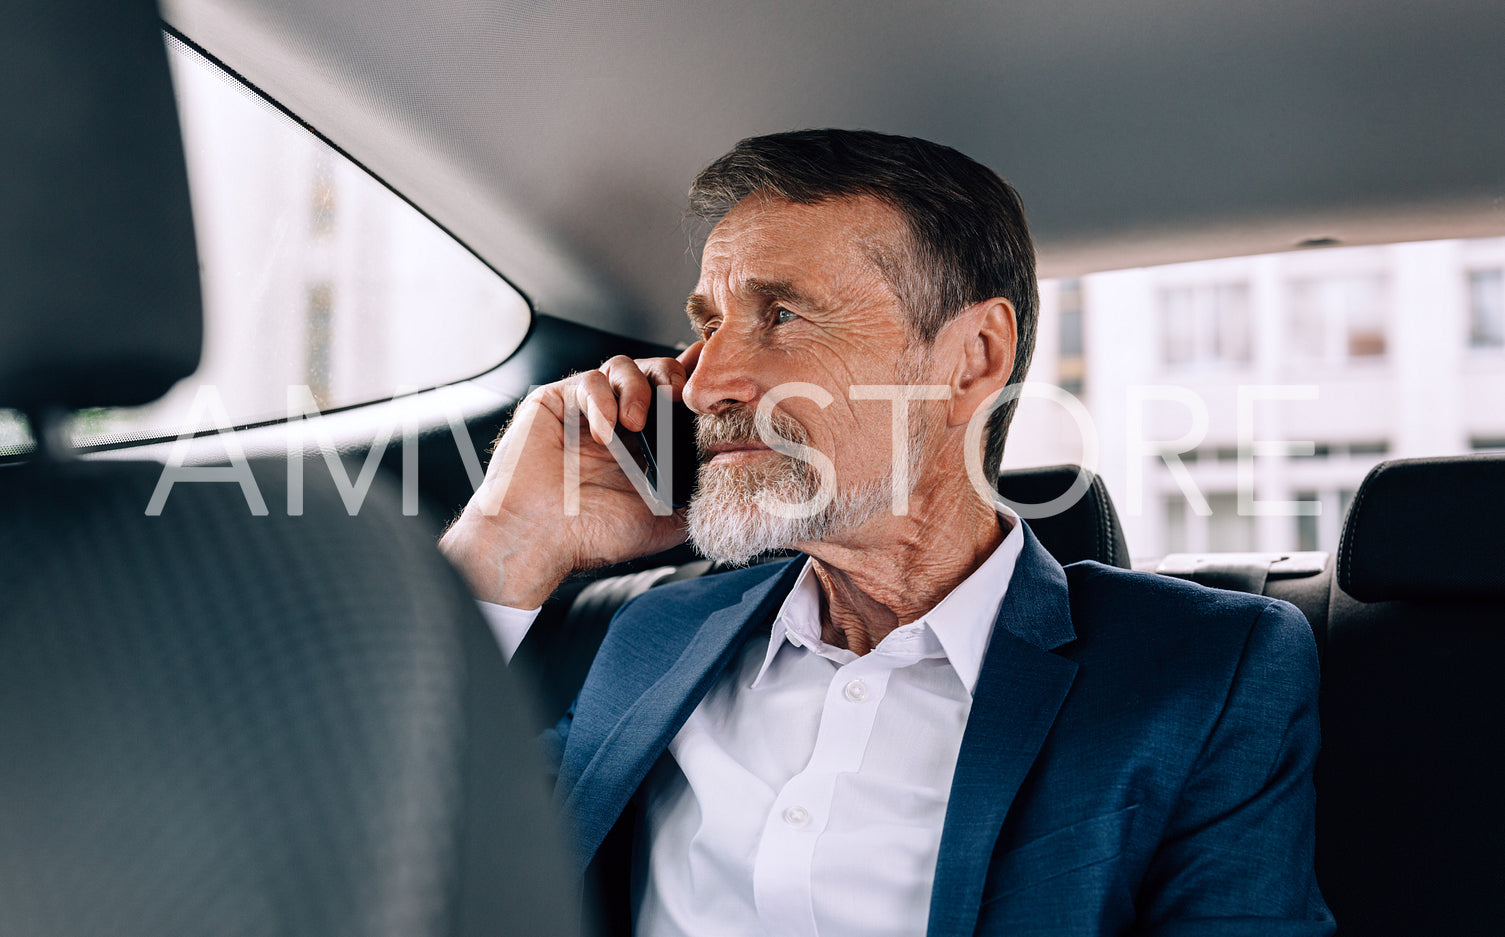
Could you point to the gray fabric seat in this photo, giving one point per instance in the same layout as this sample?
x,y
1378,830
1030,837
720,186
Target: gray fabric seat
x,y
219,724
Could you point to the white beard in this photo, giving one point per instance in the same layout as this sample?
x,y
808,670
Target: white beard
x,y
727,518
728,523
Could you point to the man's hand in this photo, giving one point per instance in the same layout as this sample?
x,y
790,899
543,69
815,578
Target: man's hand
x,y
520,535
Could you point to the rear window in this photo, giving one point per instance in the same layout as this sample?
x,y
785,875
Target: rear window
x,y
1237,404
315,275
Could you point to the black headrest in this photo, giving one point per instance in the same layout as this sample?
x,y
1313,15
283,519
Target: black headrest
x,y
99,289
1087,529
1430,530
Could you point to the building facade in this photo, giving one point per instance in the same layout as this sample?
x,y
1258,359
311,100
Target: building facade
x,y
1237,404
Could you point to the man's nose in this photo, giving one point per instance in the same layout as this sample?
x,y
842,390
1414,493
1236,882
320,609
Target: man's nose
x,y
723,376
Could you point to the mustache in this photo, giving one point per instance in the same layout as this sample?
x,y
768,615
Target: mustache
x,y
739,425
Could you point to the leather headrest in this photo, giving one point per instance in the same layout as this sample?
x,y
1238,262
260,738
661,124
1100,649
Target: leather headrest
x,y
1087,529
99,289
1429,530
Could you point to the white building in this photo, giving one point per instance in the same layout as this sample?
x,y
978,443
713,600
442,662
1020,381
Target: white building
x,y
1352,354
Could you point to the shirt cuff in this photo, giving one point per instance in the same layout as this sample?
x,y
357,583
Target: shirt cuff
x,y
508,625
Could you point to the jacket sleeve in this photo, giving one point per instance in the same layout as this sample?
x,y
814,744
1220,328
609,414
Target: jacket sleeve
x,y
1237,855
552,741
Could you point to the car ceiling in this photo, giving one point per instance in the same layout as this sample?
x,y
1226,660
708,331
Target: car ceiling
x,y
557,139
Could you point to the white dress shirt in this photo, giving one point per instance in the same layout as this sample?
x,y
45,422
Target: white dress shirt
x,y
806,792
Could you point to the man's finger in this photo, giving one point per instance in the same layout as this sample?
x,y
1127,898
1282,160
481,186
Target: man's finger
x,y
632,388
665,371
597,399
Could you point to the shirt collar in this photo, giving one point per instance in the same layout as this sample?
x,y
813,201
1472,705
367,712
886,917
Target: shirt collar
x,y
962,621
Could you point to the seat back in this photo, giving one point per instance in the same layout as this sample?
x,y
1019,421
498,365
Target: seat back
x,y
214,722
1410,812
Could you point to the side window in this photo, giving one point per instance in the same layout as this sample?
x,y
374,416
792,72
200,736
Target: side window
x,y
315,275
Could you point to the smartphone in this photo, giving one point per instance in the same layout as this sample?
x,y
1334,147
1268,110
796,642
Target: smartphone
x,y
680,458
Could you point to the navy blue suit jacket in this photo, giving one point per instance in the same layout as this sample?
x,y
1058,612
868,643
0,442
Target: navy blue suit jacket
x,y
1138,757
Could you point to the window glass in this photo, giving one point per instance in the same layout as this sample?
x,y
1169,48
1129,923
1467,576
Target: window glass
x,y
314,275
1314,365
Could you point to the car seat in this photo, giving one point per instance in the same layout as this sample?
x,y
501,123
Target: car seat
x,y
213,722
1410,814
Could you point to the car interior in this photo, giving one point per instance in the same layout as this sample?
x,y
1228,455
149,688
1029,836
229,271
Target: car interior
x,y
219,719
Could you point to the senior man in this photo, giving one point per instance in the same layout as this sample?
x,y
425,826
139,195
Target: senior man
x,y
923,724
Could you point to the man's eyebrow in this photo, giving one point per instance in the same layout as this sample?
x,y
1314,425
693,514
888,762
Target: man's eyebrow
x,y
779,291
698,308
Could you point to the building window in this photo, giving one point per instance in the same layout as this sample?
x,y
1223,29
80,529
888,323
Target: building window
x,y
1228,531
1072,366
1308,534
1365,449
1486,309
1175,523
1322,531
1207,324
1335,320
1362,450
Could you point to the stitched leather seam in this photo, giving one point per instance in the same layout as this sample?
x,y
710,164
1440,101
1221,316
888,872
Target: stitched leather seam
x,y
1105,520
1351,529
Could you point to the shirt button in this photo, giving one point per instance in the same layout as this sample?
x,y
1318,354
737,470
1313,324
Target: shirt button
x,y
796,816
856,691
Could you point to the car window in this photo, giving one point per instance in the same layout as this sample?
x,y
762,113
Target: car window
x,y
1285,377
315,275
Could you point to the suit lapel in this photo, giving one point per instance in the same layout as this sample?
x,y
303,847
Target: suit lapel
x,y
621,761
1019,691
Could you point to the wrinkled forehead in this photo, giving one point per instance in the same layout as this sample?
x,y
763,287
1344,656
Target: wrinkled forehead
x,y
860,232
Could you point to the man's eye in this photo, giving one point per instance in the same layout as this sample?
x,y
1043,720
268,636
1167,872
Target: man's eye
x,y
706,331
782,315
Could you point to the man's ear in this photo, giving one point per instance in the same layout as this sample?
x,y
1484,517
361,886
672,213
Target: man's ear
x,y
985,336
